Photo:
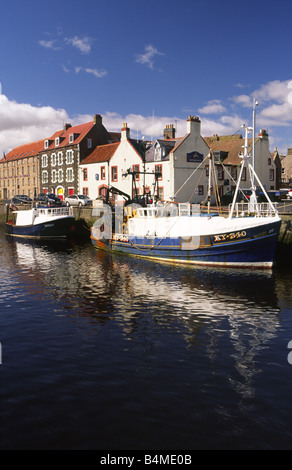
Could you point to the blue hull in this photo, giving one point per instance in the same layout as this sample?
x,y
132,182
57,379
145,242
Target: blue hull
x,y
60,228
255,249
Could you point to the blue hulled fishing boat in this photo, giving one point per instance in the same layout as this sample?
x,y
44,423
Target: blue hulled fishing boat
x,y
39,222
180,233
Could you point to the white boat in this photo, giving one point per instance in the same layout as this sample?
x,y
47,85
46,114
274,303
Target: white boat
x,y
40,222
246,237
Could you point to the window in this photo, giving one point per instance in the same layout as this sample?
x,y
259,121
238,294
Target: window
x,y
269,161
44,160
70,175
57,141
158,169
114,173
53,159
71,138
102,173
200,190
89,143
69,157
157,154
136,168
45,177
60,176
271,175
234,173
220,174
46,144
160,193
85,191
54,176
243,174
60,158
85,174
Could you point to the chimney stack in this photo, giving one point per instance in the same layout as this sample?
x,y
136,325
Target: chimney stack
x,y
169,132
97,119
125,132
193,123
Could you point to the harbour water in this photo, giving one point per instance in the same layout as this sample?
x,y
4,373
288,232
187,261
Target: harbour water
x,y
104,352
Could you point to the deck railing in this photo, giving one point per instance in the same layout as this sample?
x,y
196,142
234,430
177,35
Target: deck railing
x,y
262,209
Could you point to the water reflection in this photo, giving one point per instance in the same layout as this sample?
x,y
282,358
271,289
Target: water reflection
x,y
203,307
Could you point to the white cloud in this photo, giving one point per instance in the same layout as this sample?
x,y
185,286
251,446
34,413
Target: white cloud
x,y
244,100
147,58
23,123
83,44
50,44
212,107
97,73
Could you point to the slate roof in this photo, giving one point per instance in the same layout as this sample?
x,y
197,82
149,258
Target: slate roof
x,y
168,146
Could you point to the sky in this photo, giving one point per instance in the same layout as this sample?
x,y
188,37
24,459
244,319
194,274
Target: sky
x,y
149,64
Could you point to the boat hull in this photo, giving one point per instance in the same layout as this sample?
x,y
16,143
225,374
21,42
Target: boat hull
x,y
252,247
54,229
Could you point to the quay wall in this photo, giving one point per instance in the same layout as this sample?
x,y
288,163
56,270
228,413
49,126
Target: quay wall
x,y
85,219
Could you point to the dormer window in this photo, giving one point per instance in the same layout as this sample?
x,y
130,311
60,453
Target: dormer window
x,y
46,144
71,138
157,154
57,141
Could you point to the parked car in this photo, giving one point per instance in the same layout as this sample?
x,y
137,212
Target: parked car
x,y
48,199
243,195
77,200
289,195
21,199
274,196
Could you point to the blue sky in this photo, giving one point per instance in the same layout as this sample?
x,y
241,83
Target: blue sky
x,y
145,63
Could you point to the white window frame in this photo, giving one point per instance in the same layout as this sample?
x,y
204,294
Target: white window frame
x,y
70,175
60,158
60,175
44,160
45,177
53,159
69,157
54,176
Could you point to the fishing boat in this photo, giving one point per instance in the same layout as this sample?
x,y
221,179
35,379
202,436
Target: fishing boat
x,y
39,222
182,233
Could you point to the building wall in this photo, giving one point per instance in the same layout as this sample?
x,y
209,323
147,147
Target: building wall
x,y
184,160
59,170
287,167
265,166
96,176
19,176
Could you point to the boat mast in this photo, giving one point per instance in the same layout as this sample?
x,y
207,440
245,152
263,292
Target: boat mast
x,y
210,156
244,157
253,198
255,103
